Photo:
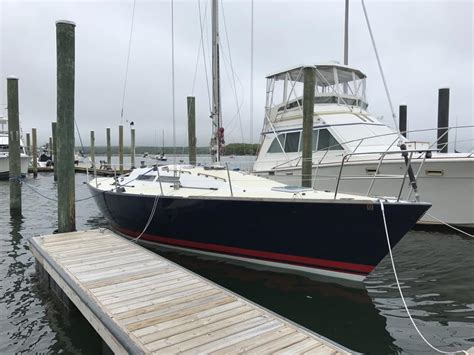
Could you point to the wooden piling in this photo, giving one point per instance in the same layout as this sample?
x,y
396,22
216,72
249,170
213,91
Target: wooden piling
x,y
92,149
308,113
50,147
14,146
192,129
132,148
121,149
65,45
443,119
402,124
55,150
28,144
109,149
34,149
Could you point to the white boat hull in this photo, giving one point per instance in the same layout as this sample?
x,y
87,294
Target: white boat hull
x,y
446,183
5,168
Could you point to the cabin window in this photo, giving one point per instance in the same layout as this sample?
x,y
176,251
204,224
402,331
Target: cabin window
x,y
314,142
327,141
146,177
292,142
275,146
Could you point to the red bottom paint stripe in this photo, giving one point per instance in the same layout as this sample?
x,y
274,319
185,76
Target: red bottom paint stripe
x,y
264,255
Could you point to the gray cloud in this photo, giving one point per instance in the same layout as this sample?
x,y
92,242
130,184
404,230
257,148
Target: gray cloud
x,y
423,45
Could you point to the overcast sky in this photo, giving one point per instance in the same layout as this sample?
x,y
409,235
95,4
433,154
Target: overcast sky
x,y
423,45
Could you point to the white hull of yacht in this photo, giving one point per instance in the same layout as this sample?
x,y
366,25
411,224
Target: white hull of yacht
x,y
5,166
447,183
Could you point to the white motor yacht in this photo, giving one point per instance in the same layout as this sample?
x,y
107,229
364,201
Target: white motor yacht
x,y
345,132
4,160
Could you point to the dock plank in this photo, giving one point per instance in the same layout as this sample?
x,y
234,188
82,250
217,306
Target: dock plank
x,y
246,346
190,325
140,302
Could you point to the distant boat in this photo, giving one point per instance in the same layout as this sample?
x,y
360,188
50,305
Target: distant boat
x,y
45,160
161,157
4,160
79,158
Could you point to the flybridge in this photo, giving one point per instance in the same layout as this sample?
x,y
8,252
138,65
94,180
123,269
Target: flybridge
x,y
335,84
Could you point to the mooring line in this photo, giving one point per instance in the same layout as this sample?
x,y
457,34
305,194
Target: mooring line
x,y
401,293
449,225
152,213
35,189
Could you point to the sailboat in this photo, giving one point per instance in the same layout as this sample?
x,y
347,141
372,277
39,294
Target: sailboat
x,y
232,214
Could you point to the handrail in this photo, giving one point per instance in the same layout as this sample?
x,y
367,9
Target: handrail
x,y
376,173
383,154
360,140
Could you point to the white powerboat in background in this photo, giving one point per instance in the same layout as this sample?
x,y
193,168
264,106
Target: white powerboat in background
x,y
346,133
4,160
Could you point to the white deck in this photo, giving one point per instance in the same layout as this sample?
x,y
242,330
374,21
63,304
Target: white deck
x,y
199,182
140,302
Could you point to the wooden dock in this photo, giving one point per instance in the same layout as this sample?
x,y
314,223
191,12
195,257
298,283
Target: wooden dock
x,y
82,168
140,302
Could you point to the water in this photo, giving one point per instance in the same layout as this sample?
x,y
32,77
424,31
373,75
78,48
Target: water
x,y
435,269
242,162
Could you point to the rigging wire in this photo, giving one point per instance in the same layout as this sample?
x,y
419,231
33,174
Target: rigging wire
x,y
201,21
381,72
235,120
80,138
200,47
401,293
251,73
173,83
128,60
233,72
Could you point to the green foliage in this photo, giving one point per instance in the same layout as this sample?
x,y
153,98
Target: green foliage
x,y
231,149
241,149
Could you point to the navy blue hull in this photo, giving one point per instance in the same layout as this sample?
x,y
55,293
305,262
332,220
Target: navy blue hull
x,y
342,236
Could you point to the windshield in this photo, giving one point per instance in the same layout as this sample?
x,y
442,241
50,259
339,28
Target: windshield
x,y
375,136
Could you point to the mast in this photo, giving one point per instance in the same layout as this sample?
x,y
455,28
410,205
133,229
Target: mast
x,y
216,114
346,34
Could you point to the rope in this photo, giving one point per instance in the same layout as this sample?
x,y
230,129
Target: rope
x,y
128,60
449,225
401,293
35,189
39,193
381,72
152,213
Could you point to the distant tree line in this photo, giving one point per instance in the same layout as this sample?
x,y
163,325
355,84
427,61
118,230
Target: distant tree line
x,y
230,149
